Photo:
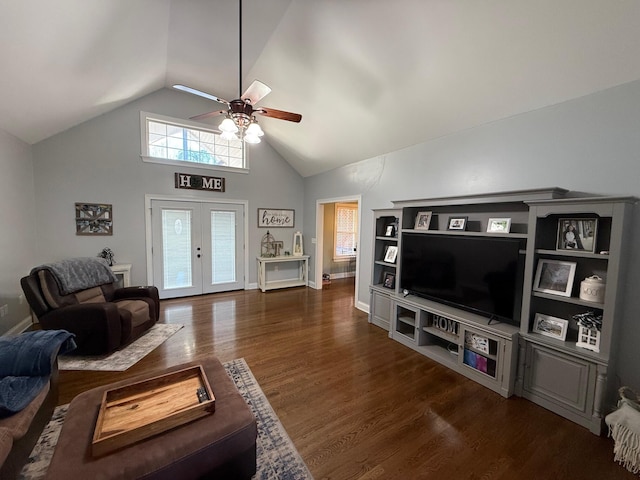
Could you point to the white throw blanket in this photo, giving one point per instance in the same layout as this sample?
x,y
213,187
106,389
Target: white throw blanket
x,y
624,427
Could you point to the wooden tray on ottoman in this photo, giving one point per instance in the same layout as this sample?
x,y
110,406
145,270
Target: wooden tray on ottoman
x,y
140,410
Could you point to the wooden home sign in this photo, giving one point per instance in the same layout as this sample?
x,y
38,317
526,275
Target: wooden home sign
x,y
199,182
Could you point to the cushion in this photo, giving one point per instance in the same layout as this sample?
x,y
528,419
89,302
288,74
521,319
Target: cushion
x,y
136,310
90,295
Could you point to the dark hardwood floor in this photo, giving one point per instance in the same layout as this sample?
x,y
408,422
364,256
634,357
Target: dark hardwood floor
x,y
359,405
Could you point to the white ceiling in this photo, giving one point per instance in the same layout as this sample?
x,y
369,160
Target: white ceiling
x,y
368,76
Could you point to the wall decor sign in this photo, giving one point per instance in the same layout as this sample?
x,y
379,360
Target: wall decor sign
x,y
271,217
199,182
94,219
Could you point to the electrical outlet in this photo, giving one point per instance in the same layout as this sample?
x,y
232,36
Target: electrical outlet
x,y
4,310
21,299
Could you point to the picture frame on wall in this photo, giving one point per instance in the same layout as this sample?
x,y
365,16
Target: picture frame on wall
x,y
457,223
549,326
555,277
423,219
389,280
577,234
499,225
276,218
390,254
94,219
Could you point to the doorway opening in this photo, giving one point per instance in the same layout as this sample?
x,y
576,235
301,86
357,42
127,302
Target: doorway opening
x,y
326,261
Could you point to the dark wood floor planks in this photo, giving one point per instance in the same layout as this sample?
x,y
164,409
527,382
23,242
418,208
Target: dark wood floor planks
x,y
359,405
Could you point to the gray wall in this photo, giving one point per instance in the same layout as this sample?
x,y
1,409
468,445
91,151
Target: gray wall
x,y
590,144
17,226
99,162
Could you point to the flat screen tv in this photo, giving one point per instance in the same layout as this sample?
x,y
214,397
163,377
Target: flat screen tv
x,y
482,275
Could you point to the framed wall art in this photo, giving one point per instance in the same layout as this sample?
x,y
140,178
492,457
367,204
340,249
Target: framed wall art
x,y
276,218
94,219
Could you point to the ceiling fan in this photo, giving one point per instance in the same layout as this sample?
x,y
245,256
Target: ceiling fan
x,y
240,117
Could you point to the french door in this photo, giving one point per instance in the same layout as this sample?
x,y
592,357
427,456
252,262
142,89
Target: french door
x,y
197,247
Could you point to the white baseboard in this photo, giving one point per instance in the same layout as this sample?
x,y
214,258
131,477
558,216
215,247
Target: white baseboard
x,y
20,327
252,286
335,276
363,306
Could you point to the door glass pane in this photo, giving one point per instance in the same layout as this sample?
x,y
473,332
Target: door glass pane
x,y
176,254
223,247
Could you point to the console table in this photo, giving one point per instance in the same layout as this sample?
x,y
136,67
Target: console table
x,y
282,272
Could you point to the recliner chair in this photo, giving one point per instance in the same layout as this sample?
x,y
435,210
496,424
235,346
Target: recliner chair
x,y
81,296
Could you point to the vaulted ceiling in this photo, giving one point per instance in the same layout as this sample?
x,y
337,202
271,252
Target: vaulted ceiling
x,y
368,76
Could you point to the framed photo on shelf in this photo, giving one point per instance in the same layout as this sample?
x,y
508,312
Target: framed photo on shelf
x,y
390,230
423,219
457,223
577,234
555,277
499,225
390,254
550,326
389,280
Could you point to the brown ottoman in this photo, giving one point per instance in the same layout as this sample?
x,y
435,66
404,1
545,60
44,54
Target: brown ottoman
x,y
221,445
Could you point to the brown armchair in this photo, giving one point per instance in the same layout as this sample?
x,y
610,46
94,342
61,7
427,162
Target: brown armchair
x,y
81,296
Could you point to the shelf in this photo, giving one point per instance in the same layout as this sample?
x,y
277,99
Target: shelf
x,y
442,334
408,321
386,264
571,253
466,233
572,300
387,239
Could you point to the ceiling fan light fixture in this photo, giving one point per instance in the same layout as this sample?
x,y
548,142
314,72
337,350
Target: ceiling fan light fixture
x,y
228,136
228,126
254,129
252,139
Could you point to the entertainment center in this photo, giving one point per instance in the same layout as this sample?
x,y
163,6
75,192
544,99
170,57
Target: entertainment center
x,y
490,286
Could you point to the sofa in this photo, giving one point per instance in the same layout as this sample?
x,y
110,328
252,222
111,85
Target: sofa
x,y
28,392
81,295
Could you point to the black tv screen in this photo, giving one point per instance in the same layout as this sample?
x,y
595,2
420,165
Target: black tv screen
x,y
478,274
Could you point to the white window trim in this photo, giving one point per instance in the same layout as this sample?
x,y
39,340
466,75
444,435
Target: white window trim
x,y
344,258
144,143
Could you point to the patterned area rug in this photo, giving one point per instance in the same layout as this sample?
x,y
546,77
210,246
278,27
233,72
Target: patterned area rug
x,y
124,358
277,457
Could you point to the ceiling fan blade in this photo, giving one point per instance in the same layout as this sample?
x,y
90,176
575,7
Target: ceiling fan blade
x,y
184,88
256,92
203,116
279,114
